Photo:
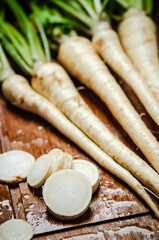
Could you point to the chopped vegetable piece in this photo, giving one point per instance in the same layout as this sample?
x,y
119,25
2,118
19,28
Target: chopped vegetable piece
x,y
15,165
90,170
60,159
16,229
67,194
40,171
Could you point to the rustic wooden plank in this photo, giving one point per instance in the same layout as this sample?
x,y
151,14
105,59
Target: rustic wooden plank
x,y
10,200
6,209
17,202
145,228
4,141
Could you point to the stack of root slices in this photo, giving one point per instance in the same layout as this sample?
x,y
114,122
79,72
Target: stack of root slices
x,y
68,184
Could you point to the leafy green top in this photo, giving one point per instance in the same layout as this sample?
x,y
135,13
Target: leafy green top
x,y
5,68
23,44
90,12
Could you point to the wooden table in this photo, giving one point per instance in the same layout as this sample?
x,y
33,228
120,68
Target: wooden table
x,y
116,212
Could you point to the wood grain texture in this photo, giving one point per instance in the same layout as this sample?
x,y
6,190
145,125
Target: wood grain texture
x,y
6,208
140,228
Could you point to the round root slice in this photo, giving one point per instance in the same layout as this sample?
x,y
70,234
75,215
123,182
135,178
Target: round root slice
x,y
40,171
16,229
90,170
68,161
67,194
15,165
60,159
56,156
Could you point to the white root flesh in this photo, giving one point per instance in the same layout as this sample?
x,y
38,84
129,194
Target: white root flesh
x,y
15,166
67,194
90,170
47,164
51,81
60,159
18,91
40,171
108,45
138,34
16,229
68,161
79,57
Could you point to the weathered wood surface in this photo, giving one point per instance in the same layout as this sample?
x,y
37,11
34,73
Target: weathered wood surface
x,y
116,212
140,228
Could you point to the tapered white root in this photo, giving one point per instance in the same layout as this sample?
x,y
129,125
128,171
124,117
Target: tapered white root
x,y
78,56
18,91
138,34
51,81
15,166
108,45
